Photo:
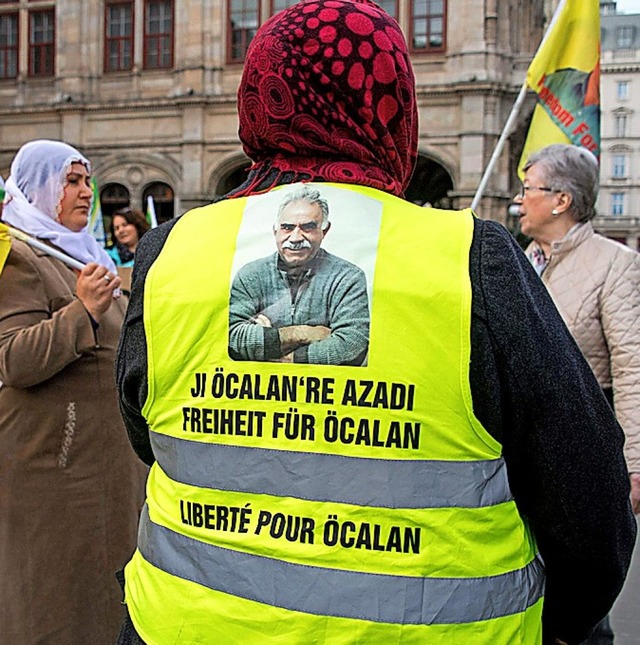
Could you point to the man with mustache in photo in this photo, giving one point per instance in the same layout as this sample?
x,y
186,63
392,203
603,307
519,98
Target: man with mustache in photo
x,y
301,304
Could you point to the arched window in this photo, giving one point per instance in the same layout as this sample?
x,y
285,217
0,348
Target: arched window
x,y
430,184
112,197
162,195
232,179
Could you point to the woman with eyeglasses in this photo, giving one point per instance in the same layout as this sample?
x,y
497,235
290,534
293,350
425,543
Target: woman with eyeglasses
x,y
594,281
128,225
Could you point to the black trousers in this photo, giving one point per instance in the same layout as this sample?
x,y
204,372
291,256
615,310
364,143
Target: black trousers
x,y
128,634
602,634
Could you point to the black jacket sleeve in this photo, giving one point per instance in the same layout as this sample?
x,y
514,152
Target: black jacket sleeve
x,y
131,360
534,392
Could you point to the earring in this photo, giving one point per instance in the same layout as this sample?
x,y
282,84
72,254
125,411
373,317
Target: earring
x,y
555,213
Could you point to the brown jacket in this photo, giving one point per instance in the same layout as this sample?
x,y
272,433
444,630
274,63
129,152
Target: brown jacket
x,y
595,283
70,485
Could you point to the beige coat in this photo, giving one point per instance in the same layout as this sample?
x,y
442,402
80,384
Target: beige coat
x,y
595,283
70,485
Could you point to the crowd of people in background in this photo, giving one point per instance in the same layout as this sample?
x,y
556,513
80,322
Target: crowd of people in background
x,y
528,362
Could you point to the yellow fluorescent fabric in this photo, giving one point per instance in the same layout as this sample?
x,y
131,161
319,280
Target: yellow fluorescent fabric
x,y
435,558
379,451
5,244
240,622
572,42
395,301
565,74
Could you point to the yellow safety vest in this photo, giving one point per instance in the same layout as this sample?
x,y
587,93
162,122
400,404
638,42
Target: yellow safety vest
x,y
313,503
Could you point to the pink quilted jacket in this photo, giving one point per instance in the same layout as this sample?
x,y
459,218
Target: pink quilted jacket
x,y
595,283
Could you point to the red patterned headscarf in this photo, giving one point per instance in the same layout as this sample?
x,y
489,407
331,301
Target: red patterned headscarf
x,y
328,94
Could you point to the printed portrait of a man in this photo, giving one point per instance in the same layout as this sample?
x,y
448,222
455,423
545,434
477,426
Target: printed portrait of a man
x,y
300,304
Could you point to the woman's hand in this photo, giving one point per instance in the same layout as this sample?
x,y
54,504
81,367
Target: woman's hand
x,y
95,287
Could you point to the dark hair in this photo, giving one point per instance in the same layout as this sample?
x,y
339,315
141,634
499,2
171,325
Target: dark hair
x,y
133,216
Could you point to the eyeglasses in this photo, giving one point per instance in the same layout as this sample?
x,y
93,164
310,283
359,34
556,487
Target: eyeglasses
x,y
544,189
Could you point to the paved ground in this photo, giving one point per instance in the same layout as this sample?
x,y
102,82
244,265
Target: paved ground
x,y
625,616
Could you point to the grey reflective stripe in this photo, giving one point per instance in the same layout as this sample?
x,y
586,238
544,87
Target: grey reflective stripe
x,y
339,593
318,477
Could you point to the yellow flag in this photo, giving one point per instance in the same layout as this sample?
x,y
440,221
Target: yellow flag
x,y
5,244
565,74
96,224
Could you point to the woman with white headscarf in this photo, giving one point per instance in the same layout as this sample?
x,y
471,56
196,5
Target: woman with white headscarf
x,y
70,485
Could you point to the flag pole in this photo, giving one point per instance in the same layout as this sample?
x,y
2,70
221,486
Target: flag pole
x,y
506,131
41,246
151,212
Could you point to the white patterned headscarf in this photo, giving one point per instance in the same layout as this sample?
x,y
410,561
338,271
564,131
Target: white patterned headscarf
x,y
34,191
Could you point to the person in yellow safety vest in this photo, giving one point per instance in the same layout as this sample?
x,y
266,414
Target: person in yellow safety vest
x,y
464,484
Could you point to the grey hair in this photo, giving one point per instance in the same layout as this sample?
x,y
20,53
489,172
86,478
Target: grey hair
x,y
573,170
308,195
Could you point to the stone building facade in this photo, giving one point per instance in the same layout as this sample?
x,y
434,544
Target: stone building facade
x,y
619,200
146,89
